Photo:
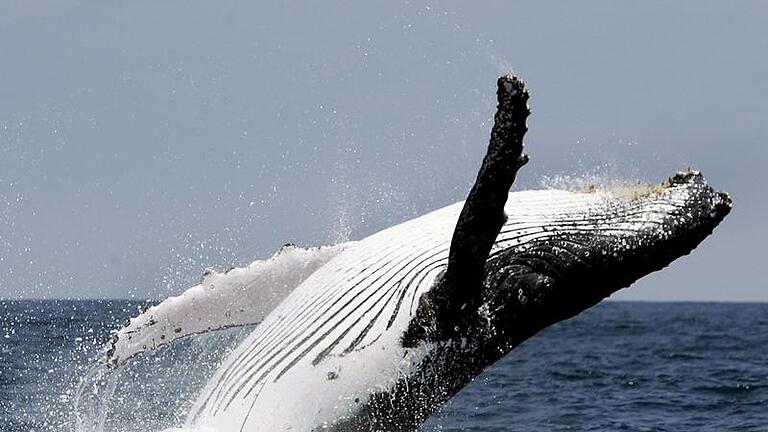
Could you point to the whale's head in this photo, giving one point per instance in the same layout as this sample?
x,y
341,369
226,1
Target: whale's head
x,y
562,252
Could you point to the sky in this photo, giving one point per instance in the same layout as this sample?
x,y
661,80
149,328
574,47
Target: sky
x,y
144,141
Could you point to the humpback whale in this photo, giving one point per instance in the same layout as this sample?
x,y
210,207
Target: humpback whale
x,y
376,334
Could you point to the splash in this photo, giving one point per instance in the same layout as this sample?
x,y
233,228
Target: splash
x,y
586,181
605,179
152,391
149,383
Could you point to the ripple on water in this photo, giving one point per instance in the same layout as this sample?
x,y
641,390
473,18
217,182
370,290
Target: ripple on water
x,y
668,367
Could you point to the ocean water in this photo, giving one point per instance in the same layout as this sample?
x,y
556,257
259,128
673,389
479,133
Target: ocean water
x,y
618,366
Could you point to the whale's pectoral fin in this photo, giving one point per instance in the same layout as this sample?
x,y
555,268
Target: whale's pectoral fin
x,y
454,299
241,296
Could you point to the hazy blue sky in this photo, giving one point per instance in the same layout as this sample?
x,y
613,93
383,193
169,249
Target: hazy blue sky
x,y
142,141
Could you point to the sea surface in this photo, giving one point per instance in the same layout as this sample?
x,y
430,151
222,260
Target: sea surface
x,y
621,366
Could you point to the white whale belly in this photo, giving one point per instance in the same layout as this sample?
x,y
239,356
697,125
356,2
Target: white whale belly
x,y
335,340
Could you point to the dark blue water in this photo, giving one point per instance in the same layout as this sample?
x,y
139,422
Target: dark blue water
x,y
618,366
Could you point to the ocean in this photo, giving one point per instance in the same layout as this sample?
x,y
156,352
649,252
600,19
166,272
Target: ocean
x,y
627,366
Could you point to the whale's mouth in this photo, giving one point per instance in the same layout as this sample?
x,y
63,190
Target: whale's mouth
x,y
595,243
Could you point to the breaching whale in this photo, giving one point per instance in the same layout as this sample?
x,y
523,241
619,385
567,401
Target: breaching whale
x,y
375,335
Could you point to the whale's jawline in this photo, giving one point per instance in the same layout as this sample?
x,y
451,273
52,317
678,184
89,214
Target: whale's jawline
x,y
534,300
